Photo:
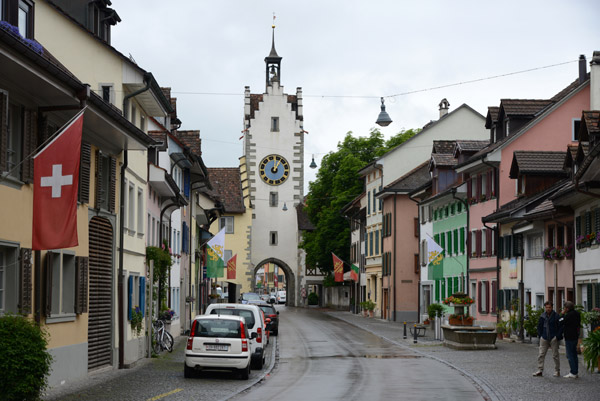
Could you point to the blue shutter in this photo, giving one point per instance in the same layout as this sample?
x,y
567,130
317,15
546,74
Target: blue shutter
x,y
143,295
184,234
186,183
129,296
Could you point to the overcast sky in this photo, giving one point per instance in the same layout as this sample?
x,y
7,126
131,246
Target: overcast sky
x,y
347,54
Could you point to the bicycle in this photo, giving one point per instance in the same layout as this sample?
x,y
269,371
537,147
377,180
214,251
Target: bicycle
x,y
162,339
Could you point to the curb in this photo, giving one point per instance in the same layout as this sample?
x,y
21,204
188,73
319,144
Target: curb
x,y
487,391
265,372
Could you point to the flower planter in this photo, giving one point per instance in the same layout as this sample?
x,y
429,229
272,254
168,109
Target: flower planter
x,y
464,321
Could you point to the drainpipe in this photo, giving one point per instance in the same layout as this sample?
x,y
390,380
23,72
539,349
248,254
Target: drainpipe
x,y
497,233
120,295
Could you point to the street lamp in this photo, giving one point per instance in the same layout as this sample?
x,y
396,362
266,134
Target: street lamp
x,y
312,163
384,118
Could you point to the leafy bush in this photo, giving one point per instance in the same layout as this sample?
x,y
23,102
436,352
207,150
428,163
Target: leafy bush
x,y
313,299
531,320
435,310
368,305
24,360
591,350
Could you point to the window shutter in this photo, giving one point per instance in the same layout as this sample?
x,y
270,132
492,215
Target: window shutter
x,y
517,245
478,189
416,227
488,191
494,295
462,240
99,195
577,226
597,220
84,173
186,183
25,281
469,189
3,129
129,297
48,286
455,236
590,297
417,267
478,245
487,296
81,282
143,295
597,303
488,242
112,185
468,244
479,296
588,223
443,242
430,213
500,247
29,144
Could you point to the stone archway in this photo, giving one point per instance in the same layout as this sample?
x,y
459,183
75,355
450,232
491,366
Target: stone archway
x,y
290,278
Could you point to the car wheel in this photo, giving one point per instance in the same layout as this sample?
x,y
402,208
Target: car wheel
x,y
245,373
187,371
258,363
275,332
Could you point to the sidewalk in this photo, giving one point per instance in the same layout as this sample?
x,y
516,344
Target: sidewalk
x,y
504,373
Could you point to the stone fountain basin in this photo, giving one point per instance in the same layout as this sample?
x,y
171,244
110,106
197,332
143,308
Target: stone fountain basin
x,y
469,337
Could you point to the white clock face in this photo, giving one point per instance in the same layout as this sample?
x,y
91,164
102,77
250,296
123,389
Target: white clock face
x,y
274,170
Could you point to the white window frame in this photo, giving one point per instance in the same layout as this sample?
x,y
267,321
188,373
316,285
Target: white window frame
x,y
483,296
539,236
131,207
484,234
140,211
228,223
473,244
573,128
111,91
9,278
273,238
63,285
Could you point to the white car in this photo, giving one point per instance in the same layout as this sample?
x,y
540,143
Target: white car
x,y
281,297
218,343
255,323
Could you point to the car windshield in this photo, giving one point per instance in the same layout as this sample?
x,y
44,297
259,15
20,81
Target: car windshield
x,y
250,296
246,314
218,328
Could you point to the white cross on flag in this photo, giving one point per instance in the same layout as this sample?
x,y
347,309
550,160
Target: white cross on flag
x,y
55,184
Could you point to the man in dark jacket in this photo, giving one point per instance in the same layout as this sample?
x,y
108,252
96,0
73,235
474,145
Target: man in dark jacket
x,y
570,322
549,333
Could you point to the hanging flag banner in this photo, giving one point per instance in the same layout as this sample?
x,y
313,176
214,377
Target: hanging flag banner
x,y
354,273
435,253
338,268
55,185
231,268
215,249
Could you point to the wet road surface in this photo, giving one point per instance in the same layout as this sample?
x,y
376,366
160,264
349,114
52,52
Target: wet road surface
x,y
322,358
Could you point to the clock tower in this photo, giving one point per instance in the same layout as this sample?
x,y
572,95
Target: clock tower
x,y
274,159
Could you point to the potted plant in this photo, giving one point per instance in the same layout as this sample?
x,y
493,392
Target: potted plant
x,y
460,320
591,350
368,307
531,320
136,320
501,328
433,311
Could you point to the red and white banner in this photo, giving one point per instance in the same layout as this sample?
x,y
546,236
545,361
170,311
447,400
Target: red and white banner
x,y
56,179
338,268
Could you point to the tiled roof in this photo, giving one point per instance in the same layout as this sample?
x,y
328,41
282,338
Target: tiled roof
x,y
573,85
303,220
192,139
471,146
411,180
443,160
443,146
592,121
227,187
493,113
255,100
537,162
523,107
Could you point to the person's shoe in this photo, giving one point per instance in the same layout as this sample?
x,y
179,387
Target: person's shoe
x,y
570,376
538,373
556,374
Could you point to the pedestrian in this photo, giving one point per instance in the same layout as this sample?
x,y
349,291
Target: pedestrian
x,y
571,323
549,333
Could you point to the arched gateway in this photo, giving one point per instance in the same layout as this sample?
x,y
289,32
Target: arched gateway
x,y
290,278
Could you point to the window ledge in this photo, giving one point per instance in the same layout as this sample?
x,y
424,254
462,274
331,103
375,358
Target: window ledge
x,y
11,181
67,317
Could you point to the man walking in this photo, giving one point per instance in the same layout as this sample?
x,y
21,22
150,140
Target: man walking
x,y
549,332
570,322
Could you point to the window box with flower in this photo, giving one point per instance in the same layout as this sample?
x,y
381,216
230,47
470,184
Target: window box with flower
x,y
136,320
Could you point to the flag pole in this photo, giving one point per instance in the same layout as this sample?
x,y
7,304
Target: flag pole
x,y
43,145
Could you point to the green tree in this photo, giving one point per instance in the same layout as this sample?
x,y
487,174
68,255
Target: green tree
x,y
162,264
337,184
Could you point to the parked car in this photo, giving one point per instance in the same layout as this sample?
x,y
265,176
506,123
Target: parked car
x,y
271,313
250,298
255,323
264,297
281,299
218,342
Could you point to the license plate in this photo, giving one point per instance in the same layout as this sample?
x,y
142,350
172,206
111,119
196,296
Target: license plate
x,y
217,347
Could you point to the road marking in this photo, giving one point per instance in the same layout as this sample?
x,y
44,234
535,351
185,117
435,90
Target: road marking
x,y
158,397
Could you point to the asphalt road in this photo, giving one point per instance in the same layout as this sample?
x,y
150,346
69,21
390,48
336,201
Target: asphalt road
x,y
322,358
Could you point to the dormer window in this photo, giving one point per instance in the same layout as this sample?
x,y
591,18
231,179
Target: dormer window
x,y
575,126
506,128
18,13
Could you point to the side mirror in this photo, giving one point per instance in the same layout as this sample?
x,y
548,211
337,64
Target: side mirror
x,y
271,301
253,335
278,312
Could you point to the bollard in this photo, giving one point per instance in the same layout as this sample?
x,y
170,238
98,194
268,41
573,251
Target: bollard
x,y
405,330
415,334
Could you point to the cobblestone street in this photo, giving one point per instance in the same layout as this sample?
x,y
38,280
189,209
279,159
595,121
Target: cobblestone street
x,y
504,373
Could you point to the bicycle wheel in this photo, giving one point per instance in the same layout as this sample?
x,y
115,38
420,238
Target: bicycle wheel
x,y
156,344
168,341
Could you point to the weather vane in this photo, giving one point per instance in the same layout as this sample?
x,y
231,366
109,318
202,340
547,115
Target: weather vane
x,y
273,20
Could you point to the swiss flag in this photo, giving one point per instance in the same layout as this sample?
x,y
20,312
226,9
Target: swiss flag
x,y
56,179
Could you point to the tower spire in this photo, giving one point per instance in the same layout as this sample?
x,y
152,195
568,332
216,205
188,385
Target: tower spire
x,y
273,61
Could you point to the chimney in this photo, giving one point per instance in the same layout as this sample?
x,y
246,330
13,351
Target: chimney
x,y
444,106
595,81
582,69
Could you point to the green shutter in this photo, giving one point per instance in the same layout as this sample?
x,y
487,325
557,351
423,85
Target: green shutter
x,y
443,240
437,290
577,226
462,240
